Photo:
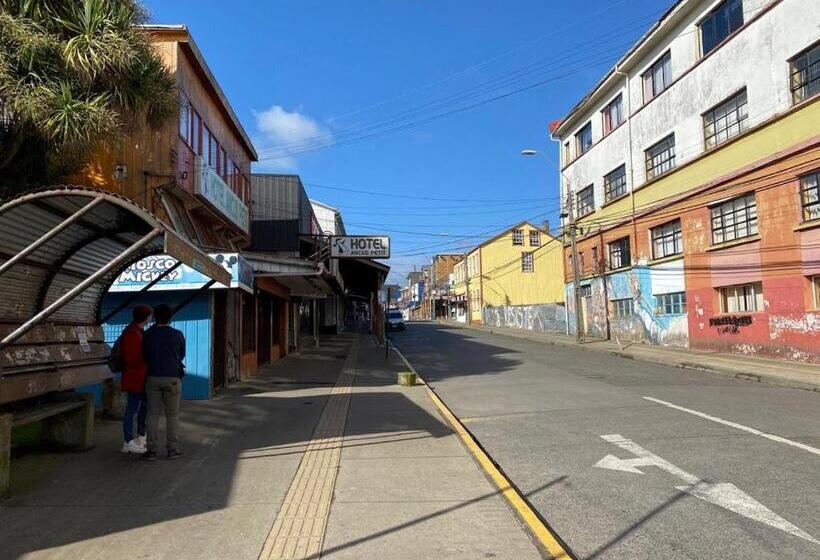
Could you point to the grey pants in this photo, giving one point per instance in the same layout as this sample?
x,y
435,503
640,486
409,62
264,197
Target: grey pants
x,y
163,394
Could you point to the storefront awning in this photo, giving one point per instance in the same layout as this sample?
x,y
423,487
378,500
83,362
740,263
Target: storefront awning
x,y
304,278
61,248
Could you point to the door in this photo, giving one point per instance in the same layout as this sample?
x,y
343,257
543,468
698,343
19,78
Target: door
x,y
220,338
264,331
586,306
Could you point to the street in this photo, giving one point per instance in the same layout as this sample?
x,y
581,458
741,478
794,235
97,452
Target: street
x,y
631,460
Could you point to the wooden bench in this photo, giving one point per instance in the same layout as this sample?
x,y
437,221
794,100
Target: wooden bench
x,y
68,423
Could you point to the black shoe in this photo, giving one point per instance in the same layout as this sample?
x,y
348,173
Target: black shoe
x,y
148,456
174,454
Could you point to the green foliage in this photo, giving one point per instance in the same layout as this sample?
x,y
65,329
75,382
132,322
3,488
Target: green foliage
x,y
74,75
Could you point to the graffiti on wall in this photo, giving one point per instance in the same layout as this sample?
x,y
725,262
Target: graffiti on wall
x,y
730,324
548,317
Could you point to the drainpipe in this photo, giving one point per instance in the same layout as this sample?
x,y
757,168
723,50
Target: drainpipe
x,y
629,150
562,216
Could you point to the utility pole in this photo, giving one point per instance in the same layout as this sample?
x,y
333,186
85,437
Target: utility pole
x,y
386,330
467,287
579,335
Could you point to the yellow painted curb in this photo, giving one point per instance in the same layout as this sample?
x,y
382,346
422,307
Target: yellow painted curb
x,y
541,532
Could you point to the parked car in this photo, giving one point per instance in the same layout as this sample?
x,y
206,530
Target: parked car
x,y
395,320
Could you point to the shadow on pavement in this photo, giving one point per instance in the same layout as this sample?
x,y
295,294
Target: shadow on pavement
x,y
241,452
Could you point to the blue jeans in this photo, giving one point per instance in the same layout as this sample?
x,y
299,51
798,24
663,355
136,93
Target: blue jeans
x,y
135,405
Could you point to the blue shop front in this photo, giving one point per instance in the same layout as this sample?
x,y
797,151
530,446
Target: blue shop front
x,y
210,316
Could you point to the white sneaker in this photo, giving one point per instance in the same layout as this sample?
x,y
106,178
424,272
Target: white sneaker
x,y
133,447
140,441
124,448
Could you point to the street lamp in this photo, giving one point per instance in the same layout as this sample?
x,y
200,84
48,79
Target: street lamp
x,y
568,213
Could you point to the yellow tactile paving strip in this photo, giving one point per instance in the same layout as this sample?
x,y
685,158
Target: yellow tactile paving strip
x,y
299,528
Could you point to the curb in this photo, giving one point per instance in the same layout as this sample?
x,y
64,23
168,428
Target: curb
x,y
547,541
773,380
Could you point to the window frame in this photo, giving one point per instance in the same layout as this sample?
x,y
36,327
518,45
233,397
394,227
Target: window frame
x,y
527,262
741,110
535,234
579,147
650,157
661,234
664,64
590,208
623,308
518,236
196,131
621,247
729,31
606,114
794,90
672,303
621,184
735,224
812,207
184,123
756,293
814,281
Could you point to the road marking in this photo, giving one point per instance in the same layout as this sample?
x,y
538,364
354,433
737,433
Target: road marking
x,y
721,494
754,431
539,529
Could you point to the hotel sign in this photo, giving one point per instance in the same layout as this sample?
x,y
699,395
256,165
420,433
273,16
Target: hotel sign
x,y
360,247
210,186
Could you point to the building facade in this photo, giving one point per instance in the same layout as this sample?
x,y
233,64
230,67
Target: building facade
x,y
691,169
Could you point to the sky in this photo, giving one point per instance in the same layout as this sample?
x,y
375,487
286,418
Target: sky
x,y
410,116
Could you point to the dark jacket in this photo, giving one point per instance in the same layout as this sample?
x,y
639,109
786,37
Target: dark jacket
x,y
164,348
134,367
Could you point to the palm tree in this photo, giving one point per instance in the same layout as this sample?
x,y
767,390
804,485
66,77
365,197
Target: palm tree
x,y
74,75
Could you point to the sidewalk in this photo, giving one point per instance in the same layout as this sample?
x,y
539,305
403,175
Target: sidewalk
x,y
322,451
774,372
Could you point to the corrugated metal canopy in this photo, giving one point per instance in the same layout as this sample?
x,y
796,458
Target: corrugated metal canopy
x,y
53,240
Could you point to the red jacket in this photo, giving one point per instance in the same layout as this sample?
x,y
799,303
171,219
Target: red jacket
x,y
134,368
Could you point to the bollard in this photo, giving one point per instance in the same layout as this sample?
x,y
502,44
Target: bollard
x,y
407,379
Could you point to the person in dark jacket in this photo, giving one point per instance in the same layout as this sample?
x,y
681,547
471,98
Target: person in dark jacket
x,y
132,381
164,349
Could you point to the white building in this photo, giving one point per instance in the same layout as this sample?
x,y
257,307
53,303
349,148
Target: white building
x,y
329,218
681,91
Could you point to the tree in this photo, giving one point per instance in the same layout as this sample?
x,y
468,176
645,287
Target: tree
x,y
75,75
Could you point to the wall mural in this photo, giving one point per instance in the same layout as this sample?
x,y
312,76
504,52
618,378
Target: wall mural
x,y
548,317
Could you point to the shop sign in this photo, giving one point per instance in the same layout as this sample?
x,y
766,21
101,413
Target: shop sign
x,y
360,247
210,186
184,277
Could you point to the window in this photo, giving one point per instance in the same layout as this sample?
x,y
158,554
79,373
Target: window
x,y
815,282
726,121
622,307
671,304
745,297
595,258
615,183
223,164
213,153
720,23
734,219
667,240
206,145
581,265
658,77
518,236
184,118
805,74
810,196
586,201
586,290
527,264
613,114
196,123
583,139
660,158
535,238
619,256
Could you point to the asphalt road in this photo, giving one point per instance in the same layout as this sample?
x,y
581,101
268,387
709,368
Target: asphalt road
x,y
669,482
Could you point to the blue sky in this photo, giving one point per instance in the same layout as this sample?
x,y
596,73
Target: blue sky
x,y
429,103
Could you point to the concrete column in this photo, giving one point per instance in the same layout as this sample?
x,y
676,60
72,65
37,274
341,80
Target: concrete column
x,y
74,429
5,455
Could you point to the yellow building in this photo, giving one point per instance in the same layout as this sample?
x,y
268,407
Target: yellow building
x,y
521,266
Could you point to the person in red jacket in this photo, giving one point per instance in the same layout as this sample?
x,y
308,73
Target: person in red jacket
x,y
134,371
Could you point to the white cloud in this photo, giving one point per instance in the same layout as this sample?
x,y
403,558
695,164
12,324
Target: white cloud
x,y
281,131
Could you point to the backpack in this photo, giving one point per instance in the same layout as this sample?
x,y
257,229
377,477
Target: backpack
x,y
115,359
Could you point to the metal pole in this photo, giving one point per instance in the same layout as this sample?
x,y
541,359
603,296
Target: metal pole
x,y
79,288
48,235
386,330
135,295
315,322
579,336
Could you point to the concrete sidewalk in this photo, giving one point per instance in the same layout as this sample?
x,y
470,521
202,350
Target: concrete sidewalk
x,y
321,452
774,372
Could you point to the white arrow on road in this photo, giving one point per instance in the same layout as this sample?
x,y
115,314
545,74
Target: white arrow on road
x,y
723,494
